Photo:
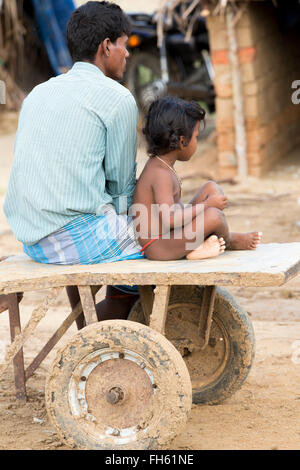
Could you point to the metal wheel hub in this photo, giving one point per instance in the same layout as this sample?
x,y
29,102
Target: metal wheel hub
x,y
115,395
111,394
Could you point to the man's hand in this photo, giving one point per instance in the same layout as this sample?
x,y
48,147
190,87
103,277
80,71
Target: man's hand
x,y
217,200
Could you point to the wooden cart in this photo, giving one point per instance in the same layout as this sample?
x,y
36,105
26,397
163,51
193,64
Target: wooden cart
x,y
129,384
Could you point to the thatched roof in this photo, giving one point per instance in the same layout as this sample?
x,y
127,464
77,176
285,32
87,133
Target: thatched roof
x,y
185,12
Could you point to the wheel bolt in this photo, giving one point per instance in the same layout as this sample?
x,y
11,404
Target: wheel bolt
x,y
114,395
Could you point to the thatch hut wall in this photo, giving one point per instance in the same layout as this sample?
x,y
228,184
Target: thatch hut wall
x,y
23,59
255,53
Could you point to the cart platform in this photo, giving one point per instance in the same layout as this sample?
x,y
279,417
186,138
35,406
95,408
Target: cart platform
x,y
181,302
270,264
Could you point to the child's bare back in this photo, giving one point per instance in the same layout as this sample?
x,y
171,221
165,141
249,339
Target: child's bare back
x,y
156,185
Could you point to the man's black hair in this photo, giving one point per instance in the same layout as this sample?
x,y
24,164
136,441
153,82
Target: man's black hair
x,y
168,119
90,24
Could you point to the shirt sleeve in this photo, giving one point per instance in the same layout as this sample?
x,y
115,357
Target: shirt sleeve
x,y
120,158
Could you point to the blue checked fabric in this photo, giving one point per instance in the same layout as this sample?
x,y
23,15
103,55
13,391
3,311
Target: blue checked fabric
x,y
89,239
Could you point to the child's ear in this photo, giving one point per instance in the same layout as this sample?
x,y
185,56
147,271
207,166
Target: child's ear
x,y
182,142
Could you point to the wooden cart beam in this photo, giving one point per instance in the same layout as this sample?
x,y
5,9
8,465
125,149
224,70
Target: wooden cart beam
x,y
160,308
18,362
206,313
53,341
14,352
147,300
88,304
270,264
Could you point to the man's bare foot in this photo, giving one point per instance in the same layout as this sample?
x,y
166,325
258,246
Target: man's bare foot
x,y
211,247
244,241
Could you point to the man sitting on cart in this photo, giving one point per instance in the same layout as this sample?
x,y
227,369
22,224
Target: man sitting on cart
x,y
74,170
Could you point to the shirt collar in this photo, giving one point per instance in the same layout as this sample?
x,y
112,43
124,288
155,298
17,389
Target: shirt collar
x,y
88,67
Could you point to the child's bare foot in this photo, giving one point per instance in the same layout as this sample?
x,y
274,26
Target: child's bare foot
x,y
211,247
244,241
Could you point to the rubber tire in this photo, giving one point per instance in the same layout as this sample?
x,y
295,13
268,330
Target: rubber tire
x,y
151,59
170,407
239,330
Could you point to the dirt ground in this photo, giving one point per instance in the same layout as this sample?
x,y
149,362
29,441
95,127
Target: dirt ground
x,y
264,414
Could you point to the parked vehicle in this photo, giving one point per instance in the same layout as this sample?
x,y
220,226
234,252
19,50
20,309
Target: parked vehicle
x,y
178,68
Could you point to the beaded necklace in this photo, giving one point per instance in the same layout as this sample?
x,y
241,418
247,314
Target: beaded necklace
x,y
175,173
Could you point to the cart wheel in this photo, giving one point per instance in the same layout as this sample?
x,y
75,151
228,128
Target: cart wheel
x,y
220,369
118,385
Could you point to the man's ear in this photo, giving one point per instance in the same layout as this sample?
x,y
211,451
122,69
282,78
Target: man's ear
x,y
106,45
103,50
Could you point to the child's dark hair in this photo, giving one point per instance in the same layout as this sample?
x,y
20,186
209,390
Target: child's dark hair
x,y
168,119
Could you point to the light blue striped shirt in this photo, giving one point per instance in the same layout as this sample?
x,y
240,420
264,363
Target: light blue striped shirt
x,y
75,151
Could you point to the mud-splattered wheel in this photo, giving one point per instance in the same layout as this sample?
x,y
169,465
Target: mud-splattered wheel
x,y
118,385
218,370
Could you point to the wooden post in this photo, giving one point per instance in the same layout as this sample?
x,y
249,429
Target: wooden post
x,y
239,118
160,308
53,340
88,304
206,313
147,299
18,362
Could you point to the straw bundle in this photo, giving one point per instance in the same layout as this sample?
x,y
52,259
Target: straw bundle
x,y
185,12
11,50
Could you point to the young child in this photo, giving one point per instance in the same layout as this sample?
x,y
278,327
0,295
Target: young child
x,y
171,132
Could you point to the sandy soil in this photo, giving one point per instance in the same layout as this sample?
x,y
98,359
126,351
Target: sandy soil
x,y
264,414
